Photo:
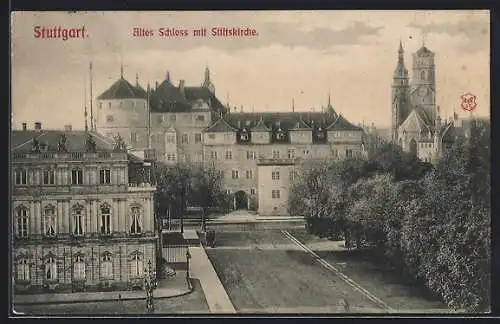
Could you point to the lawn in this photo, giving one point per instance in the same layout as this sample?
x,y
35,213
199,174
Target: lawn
x,y
194,302
373,274
279,280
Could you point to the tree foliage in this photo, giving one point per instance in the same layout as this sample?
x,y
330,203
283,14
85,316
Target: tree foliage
x,y
430,222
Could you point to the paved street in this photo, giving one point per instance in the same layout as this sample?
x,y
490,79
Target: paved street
x,y
266,272
194,302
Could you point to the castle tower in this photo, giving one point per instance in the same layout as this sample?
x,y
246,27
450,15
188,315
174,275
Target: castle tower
x,y
400,93
207,83
423,87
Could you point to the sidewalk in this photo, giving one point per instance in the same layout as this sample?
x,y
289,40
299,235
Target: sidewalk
x,y
167,288
215,294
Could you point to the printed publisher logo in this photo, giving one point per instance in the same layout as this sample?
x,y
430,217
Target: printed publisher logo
x,y
468,102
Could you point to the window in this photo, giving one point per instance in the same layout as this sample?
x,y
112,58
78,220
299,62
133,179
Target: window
x,y
249,174
51,268
49,221
306,152
348,153
121,103
23,270
276,154
234,174
229,155
109,104
79,268
136,266
110,118
251,155
78,221
213,155
22,222
106,266
172,118
200,118
292,175
211,136
171,139
275,194
21,177
49,177
291,153
76,177
135,228
252,191
185,139
105,220
100,105
197,138
275,175
170,156
133,138
336,153
105,176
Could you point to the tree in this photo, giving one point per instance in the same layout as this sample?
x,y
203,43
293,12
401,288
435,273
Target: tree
x,y
170,180
206,190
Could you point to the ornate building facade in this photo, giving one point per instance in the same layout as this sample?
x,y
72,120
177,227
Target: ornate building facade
x,y
255,151
82,212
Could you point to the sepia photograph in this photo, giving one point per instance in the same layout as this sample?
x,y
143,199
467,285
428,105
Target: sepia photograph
x,y
250,162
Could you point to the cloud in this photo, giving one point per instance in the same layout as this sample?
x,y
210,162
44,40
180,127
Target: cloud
x,y
473,33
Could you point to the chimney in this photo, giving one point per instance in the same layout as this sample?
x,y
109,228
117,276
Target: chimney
x,y
25,126
181,88
38,126
68,128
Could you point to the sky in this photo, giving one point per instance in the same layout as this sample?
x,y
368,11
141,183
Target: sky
x,y
297,55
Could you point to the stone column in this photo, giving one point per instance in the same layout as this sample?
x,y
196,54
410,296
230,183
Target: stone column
x,y
146,218
59,217
115,215
37,217
234,202
95,217
67,216
33,223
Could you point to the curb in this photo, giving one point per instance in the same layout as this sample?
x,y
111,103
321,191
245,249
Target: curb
x,y
184,293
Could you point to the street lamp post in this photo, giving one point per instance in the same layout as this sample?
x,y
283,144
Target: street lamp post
x,y
181,194
150,284
188,256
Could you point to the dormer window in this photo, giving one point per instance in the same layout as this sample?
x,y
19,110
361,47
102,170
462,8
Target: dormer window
x,y
244,135
280,135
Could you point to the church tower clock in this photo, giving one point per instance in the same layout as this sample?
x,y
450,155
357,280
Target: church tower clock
x,y
424,81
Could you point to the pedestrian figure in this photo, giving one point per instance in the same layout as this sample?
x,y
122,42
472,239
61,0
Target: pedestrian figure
x,y
344,304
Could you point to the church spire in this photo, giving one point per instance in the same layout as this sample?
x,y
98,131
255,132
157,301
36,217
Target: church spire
x,y
207,83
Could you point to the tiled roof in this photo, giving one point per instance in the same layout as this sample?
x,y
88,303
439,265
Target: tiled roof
x,y
342,124
301,125
122,89
260,127
285,120
417,120
22,141
220,126
169,98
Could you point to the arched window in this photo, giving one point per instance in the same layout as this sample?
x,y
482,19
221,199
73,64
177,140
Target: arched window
x,y
78,220
21,177
22,222
136,266
136,224
49,221
422,75
50,268
23,270
79,268
107,266
105,219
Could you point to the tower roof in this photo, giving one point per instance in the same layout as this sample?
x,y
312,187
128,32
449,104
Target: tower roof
x,y
424,51
122,89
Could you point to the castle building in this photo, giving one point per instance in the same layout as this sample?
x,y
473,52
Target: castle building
x,y
258,153
82,212
416,120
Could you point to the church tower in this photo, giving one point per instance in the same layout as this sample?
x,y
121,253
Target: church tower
x,y
207,83
400,93
423,87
